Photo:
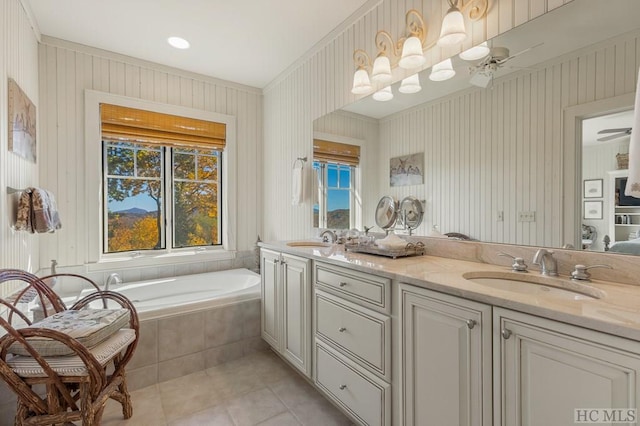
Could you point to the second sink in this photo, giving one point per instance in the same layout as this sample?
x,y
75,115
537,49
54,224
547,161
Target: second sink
x,y
534,285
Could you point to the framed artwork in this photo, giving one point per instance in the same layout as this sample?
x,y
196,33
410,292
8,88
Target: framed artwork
x,y
592,210
593,188
407,170
22,123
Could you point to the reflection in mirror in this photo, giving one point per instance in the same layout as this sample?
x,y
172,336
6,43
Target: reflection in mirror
x,y
386,212
497,166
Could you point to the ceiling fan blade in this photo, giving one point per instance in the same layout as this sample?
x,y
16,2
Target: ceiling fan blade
x,y
612,137
623,130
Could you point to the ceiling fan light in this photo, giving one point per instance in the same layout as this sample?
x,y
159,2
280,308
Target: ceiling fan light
x,y
410,84
476,52
383,95
442,71
453,31
361,82
412,56
381,70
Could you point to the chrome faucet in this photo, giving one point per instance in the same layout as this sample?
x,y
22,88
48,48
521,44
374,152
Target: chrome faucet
x,y
113,279
548,264
328,233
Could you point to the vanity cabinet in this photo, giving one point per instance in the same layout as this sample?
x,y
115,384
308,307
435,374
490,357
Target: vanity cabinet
x,y
352,335
544,370
286,306
444,359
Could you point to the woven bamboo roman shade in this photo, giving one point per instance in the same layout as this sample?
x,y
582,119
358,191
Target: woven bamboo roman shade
x,y
123,123
335,152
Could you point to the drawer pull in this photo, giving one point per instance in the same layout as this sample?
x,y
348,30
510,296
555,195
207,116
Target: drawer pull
x,y
342,329
276,261
343,387
471,323
343,284
506,333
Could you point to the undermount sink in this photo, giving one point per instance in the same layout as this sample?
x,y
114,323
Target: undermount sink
x,y
537,285
308,244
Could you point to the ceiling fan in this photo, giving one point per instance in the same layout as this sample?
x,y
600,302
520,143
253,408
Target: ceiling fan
x,y
619,133
482,73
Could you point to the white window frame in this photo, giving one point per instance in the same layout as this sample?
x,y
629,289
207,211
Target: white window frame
x,y
94,189
323,192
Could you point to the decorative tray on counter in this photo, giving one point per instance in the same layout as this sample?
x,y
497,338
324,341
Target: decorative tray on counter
x,y
411,249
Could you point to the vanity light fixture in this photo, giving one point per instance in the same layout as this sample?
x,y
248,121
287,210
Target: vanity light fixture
x,y
381,70
453,30
442,71
476,52
383,95
410,84
178,42
361,82
412,47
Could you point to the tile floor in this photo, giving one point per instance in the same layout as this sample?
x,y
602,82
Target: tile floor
x,y
259,389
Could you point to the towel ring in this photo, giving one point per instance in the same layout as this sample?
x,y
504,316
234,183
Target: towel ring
x,y
302,160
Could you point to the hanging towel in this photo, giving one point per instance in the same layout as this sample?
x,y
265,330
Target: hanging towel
x,y
37,212
296,186
633,181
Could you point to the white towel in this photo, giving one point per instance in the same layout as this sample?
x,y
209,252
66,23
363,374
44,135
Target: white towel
x,y
633,182
297,186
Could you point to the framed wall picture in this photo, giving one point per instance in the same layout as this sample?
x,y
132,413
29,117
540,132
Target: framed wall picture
x,y
408,170
592,210
22,123
593,188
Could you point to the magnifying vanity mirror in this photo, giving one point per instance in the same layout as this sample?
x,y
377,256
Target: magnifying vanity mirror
x,y
504,160
386,213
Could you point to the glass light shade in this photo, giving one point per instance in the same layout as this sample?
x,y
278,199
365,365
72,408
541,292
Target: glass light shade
x,y
361,82
476,52
442,71
410,84
178,42
412,55
453,31
381,70
383,95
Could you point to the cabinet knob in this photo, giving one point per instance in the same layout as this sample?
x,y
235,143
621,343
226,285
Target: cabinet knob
x,y
343,284
343,387
471,323
342,329
506,333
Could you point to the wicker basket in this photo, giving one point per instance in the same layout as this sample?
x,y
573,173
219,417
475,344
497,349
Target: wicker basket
x,y
623,161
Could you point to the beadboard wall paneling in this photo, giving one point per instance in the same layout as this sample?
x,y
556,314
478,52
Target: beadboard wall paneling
x,y
501,149
68,70
19,61
321,82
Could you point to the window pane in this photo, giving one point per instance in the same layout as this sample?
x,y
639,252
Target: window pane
x,y
149,163
120,160
196,215
207,167
345,177
134,215
184,166
332,175
338,209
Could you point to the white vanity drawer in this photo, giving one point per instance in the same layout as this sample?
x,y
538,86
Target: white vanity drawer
x,y
360,333
368,290
365,397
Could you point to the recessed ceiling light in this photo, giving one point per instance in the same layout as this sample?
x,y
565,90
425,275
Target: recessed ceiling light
x,y
178,42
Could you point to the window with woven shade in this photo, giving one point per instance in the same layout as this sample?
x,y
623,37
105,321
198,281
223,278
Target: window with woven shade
x,y
335,165
161,180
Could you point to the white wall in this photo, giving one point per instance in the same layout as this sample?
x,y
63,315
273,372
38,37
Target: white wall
x,y
18,60
321,81
68,69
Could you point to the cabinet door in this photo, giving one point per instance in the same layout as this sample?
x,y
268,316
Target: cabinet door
x,y
546,370
445,360
270,318
296,293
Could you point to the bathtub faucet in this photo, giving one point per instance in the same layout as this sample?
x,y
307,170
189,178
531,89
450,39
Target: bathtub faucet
x,y
113,279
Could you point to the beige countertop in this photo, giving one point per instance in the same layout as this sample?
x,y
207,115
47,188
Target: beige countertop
x,y
616,312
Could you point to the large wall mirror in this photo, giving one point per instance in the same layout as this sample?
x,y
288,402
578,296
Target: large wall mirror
x,y
502,151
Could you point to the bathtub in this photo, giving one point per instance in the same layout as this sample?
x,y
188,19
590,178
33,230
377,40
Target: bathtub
x,y
163,297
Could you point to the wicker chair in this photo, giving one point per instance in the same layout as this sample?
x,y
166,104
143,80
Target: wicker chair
x,y
76,386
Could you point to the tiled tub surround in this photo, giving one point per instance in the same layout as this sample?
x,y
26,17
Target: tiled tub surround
x,y
445,262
